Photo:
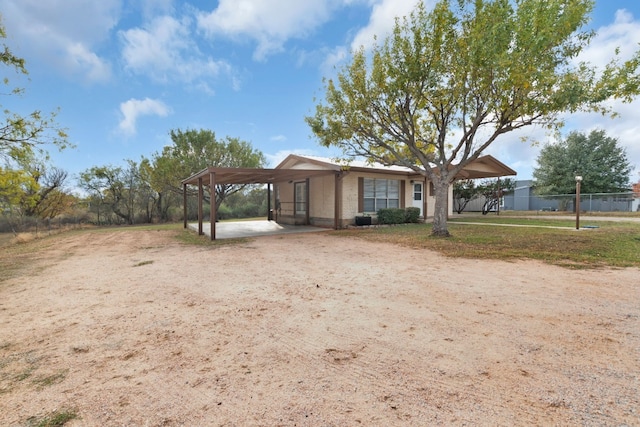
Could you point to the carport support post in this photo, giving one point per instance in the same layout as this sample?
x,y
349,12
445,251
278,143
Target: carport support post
x,y
269,216
212,204
499,197
336,203
307,222
184,203
200,197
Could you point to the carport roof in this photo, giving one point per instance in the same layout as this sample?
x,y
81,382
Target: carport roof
x,y
255,176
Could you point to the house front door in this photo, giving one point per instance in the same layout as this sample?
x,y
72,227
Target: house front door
x,y
300,195
418,194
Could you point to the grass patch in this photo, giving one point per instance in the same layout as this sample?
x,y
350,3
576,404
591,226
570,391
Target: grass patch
x,y
533,222
613,244
56,419
16,368
143,263
49,380
182,235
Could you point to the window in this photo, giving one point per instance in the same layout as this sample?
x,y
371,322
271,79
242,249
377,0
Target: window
x,y
417,191
380,194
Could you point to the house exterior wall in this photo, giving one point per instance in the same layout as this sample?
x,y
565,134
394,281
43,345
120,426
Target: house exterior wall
x,y
350,195
322,199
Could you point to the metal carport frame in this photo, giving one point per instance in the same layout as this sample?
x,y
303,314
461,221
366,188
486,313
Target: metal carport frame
x,y
213,176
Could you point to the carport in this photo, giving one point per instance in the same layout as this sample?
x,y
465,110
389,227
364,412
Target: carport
x,y
213,176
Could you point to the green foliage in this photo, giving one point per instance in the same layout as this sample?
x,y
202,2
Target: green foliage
x,y
151,189
114,188
21,136
33,190
195,150
398,215
251,202
447,83
464,191
411,215
599,159
391,216
492,190
26,189
17,188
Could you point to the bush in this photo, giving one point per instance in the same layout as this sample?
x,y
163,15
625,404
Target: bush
x,y
391,216
411,214
224,212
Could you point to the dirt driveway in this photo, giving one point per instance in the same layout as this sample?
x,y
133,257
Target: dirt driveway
x,y
135,329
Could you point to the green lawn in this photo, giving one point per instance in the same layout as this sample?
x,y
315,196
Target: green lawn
x,y
613,244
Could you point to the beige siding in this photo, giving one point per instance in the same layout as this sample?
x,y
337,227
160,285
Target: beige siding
x,y
322,199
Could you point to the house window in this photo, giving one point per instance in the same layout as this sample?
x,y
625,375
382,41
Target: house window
x,y
380,194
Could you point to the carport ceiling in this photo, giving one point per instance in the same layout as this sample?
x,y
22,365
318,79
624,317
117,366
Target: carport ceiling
x,y
254,176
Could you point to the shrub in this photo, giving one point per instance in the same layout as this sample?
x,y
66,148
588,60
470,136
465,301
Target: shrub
x,y
224,212
391,216
411,214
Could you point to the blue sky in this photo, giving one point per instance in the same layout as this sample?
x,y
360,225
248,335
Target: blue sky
x,y
124,73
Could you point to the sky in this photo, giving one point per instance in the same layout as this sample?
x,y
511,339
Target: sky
x,y
123,73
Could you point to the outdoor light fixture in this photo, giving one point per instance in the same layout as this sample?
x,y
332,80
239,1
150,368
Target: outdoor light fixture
x,y
578,181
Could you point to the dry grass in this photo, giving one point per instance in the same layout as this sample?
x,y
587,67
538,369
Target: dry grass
x,y
23,238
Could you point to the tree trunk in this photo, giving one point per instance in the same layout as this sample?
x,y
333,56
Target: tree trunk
x,y
441,208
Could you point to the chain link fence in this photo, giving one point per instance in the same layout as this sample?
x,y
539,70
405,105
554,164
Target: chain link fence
x,y
597,202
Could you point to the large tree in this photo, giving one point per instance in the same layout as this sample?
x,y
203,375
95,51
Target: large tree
x,y
119,189
195,150
448,82
599,159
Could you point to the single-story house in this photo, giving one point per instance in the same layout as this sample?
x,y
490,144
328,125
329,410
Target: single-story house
x,y
306,190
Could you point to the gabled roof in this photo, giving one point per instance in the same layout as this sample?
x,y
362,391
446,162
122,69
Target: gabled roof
x,y
296,167
483,167
486,167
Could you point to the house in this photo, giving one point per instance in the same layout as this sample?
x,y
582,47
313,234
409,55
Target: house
x,y
306,190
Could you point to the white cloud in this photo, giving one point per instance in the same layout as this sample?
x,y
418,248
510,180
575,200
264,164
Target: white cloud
x,y
269,23
622,34
278,138
165,50
87,62
63,33
382,21
134,108
335,57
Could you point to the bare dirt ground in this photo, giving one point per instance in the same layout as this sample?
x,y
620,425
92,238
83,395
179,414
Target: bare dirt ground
x,y
135,329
